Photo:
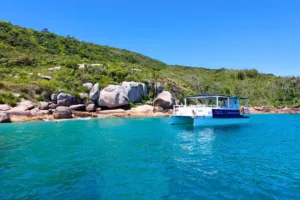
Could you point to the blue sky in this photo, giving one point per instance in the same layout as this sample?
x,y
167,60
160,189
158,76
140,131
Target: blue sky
x,y
237,34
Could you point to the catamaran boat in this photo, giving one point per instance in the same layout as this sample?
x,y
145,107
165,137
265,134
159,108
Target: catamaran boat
x,y
211,110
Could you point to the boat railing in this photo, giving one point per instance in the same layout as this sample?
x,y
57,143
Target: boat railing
x,y
187,108
245,110
177,108
194,106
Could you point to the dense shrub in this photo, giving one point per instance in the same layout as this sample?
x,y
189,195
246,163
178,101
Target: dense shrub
x,y
8,98
241,75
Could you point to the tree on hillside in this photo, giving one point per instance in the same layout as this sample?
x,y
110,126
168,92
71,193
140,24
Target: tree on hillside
x,y
155,77
196,83
240,75
45,30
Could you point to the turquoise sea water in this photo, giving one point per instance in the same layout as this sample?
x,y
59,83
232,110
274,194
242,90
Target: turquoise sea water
x,y
149,159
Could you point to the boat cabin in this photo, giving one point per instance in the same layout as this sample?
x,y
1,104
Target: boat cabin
x,y
212,105
211,110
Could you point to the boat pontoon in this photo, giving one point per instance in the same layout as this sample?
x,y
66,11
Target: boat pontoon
x,y
211,110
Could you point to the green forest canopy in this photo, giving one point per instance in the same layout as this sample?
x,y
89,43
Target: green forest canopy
x,y
25,54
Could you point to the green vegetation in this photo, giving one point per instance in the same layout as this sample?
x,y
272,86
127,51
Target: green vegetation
x,y
9,98
25,54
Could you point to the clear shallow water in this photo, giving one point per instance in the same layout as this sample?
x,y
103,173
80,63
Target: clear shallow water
x,y
149,159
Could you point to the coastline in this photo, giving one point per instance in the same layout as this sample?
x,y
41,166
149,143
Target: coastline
x,y
35,114
269,110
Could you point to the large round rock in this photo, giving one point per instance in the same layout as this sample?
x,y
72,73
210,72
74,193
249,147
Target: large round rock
x,y
94,93
44,105
164,100
135,91
113,96
62,112
64,99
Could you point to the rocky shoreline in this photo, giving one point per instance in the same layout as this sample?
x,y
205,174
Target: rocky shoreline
x,y
111,101
40,115
35,114
268,110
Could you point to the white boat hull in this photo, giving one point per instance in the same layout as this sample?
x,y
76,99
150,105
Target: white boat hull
x,y
226,111
209,121
181,120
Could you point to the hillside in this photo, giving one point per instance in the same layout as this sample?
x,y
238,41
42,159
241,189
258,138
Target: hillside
x,y
26,54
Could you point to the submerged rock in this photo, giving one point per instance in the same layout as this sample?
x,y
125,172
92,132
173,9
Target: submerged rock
x,y
62,112
113,96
